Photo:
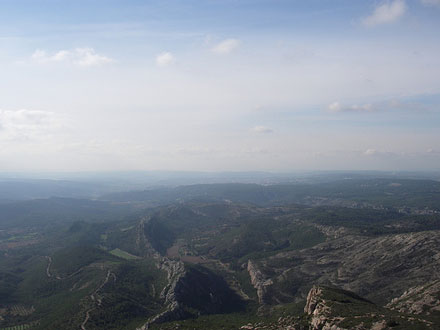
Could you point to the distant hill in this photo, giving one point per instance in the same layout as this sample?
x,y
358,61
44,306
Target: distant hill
x,y
380,193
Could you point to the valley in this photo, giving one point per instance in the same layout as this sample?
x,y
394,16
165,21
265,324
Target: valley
x,y
226,256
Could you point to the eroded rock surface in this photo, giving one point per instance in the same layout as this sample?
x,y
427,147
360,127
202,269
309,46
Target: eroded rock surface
x,y
377,268
259,281
423,299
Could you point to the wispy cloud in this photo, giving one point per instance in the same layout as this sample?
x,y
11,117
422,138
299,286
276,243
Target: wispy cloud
x,y
389,154
431,2
338,107
370,152
385,13
165,59
411,106
83,57
25,125
262,129
226,46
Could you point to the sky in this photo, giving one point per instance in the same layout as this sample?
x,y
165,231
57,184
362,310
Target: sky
x,y
219,85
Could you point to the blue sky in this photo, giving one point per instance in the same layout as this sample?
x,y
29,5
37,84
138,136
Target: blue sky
x,y
219,85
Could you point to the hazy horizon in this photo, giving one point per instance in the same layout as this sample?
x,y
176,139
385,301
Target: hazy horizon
x,y
219,86
195,177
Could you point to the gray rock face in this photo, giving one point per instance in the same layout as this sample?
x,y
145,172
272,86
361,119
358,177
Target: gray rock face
x,y
336,309
313,299
192,291
423,299
377,268
173,309
329,308
175,271
320,312
259,282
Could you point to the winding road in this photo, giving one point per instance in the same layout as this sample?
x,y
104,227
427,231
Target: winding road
x,y
97,299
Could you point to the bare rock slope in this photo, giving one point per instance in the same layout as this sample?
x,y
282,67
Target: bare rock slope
x,y
378,268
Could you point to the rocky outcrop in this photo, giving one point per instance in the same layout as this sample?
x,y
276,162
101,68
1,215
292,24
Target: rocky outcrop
x,y
259,281
173,308
175,271
329,308
423,299
378,268
336,309
313,299
320,312
143,244
193,291
173,312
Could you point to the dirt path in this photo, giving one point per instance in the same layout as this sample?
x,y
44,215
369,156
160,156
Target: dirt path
x,y
49,274
49,263
83,325
96,299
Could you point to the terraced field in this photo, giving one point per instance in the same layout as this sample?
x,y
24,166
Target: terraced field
x,y
17,327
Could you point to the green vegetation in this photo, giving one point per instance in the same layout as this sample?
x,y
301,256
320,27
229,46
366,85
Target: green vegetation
x,y
129,299
371,221
219,321
354,311
72,259
123,254
42,213
208,293
159,234
62,259
384,192
17,327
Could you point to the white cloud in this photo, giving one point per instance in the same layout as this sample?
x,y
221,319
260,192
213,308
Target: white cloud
x,y
165,59
226,46
387,12
386,105
84,57
61,55
88,57
431,2
25,125
39,55
262,129
337,107
432,152
370,152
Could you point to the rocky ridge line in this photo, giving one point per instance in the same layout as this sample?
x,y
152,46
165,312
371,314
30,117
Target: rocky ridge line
x,y
259,282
